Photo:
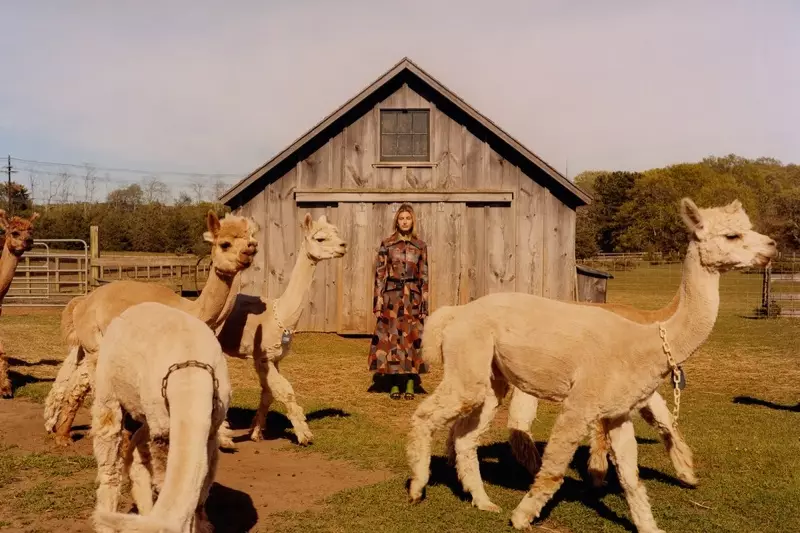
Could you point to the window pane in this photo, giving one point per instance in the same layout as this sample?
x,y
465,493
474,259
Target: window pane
x,y
404,145
403,123
420,145
388,144
388,121
420,122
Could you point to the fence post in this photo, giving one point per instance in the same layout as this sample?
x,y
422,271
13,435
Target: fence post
x,y
94,253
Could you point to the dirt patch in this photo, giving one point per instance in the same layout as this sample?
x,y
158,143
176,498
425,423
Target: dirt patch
x,y
259,479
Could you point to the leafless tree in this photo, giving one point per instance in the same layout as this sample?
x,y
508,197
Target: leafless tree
x,y
198,188
155,190
218,188
59,188
89,183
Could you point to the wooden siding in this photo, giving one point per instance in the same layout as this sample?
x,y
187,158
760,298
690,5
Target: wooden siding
x,y
476,246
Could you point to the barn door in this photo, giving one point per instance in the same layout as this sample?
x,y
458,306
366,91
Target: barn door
x,y
356,268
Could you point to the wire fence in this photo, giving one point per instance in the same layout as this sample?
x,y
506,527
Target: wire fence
x,y
649,281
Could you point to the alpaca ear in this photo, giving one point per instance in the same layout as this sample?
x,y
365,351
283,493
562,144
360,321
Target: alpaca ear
x,y
253,225
212,221
3,219
734,206
691,215
322,219
34,217
308,222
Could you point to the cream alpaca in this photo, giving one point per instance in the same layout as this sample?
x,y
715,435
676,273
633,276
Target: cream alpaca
x,y
522,412
17,240
599,365
84,320
146,347
255,327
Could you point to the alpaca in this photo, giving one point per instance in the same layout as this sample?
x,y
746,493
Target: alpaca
x,y
262,329
164,368
597,364
17,240
522,412
84,320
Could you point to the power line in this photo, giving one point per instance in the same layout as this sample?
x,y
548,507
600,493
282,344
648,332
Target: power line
x,y
129,170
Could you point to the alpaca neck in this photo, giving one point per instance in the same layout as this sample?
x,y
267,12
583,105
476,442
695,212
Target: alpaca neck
x,y
8,265
217,297
293,300
698,305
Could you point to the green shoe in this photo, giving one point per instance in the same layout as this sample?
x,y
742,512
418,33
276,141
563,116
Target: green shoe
x,y
394,394
409,389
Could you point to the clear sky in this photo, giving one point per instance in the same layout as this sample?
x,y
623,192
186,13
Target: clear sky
x,y
222,86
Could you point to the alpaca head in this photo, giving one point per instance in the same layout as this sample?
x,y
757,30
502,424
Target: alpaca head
x,y
725,238
322,239
18,232
233,242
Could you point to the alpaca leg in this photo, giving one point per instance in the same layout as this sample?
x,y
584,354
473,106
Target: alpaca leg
x,y
521,414
138,463
107,426
5,383
159,449
225,437
55,398
436,412
598,453
570,427
657,414
79,387
624,455
201,521
466,446
283,392
260,419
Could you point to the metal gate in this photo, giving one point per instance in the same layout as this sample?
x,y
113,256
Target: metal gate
x,y
49,278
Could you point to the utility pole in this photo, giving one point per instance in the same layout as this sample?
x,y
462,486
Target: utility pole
x,y
9,171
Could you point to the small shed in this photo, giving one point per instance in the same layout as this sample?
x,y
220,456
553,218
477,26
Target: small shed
x,y
495,216
592,284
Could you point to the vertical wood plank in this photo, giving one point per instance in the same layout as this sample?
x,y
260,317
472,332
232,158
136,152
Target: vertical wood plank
x,y
361,145
566,248
445,249
283,232
552,261
356,276
530,220
337,161
473,171
475,253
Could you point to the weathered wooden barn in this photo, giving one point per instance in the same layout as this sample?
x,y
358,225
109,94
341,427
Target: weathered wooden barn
x,y
494,215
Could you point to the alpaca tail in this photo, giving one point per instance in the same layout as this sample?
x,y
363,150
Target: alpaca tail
x,y
68,322
55,398
133,523
433,333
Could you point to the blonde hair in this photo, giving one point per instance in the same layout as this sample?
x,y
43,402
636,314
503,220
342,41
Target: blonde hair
x,y
406,208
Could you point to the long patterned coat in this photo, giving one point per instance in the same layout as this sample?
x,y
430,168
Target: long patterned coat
x,y
401,278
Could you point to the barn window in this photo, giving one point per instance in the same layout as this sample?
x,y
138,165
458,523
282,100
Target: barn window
x,y
405,135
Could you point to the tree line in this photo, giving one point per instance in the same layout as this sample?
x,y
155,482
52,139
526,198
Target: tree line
x,y
637,211
630,211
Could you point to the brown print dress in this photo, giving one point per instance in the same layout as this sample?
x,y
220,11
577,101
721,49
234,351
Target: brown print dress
x,y
401,277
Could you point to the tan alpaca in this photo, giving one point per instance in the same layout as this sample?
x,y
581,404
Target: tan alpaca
x,y
256,327
522,412
599,365
146,347
17,240
84,320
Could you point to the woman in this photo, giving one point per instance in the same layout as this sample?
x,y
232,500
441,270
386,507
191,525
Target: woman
x,y
400,304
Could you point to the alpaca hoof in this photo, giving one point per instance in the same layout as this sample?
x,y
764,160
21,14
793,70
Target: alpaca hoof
x,y
226,444
488,506
256,436
304,438
520,520
63,440
598,478
7,395
689,479
415,494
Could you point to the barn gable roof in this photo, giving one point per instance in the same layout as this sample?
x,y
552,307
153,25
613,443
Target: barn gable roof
x,y
406,71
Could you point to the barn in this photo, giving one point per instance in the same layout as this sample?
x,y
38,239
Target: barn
x,y
494,215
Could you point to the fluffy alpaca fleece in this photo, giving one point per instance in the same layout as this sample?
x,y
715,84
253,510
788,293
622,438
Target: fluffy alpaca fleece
x,y
256,326
136,354
84,320
522,412
599,365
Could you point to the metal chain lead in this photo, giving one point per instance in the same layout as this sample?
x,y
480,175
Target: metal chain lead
x,y
186,364
676,375
278,320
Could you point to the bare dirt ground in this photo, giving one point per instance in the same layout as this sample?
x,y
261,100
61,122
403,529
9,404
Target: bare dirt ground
x,y
256,481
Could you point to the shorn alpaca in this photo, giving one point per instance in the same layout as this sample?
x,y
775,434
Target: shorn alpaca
x,y
165,369
17,239
599,365
84,320
522,412
262,329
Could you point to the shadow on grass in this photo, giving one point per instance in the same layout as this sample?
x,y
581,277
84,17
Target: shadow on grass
x,y
277,424
382,384
13,361
747,400
230,510
20,380
499,467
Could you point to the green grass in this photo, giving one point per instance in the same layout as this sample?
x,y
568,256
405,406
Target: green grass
x,y
738,414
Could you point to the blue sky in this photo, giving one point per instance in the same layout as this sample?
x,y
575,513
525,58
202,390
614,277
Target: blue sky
x,y
222,86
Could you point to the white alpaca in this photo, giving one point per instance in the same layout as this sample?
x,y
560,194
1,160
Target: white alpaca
x,y
166,369
599,365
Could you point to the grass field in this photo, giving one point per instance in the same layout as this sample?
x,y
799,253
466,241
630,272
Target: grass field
x,y
740,414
